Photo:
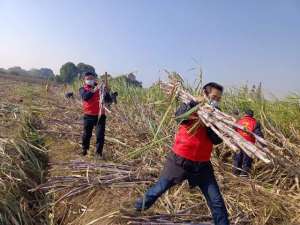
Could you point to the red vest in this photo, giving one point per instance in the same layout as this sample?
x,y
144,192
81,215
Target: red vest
x,y
195,145
250,123
91,106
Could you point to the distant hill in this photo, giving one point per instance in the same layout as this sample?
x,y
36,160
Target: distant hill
x,y
43,73
27,78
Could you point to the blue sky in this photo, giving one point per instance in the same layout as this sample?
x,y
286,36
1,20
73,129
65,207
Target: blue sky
x,y
234,42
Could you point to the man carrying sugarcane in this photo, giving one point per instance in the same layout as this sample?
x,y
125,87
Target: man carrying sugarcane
x,y
93,96
242,163
190,159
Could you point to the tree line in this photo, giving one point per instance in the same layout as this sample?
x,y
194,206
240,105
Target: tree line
x,y
45,73
67,74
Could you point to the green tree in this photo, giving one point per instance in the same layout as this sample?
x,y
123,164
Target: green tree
x,y
2,70
46,73
35,72
17,70
128,81
83,68
57,78
68,72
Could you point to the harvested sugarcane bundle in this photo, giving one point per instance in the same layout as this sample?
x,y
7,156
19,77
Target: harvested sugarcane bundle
x,y
222,124
87,175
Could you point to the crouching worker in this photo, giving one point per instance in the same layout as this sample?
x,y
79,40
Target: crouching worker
x,y
94,113
242,163
190,160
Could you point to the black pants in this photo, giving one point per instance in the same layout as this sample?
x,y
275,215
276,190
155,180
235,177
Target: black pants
x,y
242,163
178,169
88,124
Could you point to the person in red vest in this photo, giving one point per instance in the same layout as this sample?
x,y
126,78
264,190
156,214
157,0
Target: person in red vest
x,y
190,160
94,114
242,163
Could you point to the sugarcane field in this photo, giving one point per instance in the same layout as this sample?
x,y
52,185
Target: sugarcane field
x,y
136,112
45,178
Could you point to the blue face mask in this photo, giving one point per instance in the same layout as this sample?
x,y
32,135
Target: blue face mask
x,y
90,82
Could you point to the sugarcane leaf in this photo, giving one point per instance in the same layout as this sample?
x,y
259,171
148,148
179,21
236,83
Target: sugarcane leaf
x,y
187,114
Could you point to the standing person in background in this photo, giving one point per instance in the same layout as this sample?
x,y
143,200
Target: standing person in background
x,y
242,163
94,114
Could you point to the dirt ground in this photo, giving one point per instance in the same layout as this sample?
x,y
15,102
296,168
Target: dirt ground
x,y
61,129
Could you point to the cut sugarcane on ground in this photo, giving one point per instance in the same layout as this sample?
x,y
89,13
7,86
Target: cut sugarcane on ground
x,y
140,132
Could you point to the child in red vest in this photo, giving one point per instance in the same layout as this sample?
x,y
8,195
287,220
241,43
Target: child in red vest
x,y
190,160
242,163
94,113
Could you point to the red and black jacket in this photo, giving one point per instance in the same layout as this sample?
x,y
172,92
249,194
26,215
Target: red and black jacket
x,y
250,124
197,145
91,101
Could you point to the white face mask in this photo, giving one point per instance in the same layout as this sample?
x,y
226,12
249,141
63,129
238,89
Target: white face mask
x,y
90,82
214,103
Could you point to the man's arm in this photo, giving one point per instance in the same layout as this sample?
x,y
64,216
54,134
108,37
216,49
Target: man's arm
x,y
257,130
183,108
108,98
213,137
85,95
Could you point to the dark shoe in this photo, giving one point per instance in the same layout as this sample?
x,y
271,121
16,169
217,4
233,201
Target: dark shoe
x,y
84,152
99,156
128,210
140,205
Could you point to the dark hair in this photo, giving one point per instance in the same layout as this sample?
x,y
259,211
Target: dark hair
x,y
236,112
249,112
207,87
89,74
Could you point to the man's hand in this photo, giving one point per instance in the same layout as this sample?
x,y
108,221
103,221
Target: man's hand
x,y
200,99
95,89
208,109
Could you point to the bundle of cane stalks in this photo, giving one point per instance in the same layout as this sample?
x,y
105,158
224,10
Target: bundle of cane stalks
x,y
223,125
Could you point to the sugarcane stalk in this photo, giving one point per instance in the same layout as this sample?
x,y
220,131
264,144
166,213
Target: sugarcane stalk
x,y
239,140
90,175
224,126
